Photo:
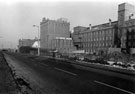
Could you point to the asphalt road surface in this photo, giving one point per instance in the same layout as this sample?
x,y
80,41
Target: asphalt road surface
x,y
56,77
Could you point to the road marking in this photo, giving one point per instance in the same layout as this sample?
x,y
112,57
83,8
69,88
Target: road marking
x,y
43,64
66,71
114,87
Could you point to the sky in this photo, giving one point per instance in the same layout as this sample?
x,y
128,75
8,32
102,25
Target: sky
x,y
18,17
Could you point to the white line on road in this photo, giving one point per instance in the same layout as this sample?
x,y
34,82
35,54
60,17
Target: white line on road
x,y
114,87
43,64
66,71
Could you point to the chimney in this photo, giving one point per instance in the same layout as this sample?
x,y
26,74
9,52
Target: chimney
x,y
110,22
90,27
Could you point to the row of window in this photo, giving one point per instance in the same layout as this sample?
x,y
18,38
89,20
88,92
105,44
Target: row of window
x,y
96,44
131,44
96,33
97,39
131,37
91,50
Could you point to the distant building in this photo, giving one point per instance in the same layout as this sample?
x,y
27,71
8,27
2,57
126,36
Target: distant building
x,y
50,29
116,34
63,45
27,45
26,42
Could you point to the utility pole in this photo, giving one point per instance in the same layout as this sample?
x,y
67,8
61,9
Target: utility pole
x,y
38,39
1,44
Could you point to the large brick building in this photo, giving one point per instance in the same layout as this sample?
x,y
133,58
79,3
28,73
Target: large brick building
x,y
116,34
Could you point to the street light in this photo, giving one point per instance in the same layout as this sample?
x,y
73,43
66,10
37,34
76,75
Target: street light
x,y
2,43
38,39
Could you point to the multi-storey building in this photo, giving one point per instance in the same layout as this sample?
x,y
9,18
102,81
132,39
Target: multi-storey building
x,y
55,34
95,38
117,34
50,29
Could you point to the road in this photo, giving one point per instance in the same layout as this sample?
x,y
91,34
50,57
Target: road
x,y
56,77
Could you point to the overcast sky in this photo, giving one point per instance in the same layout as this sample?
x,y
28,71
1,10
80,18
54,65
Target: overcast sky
x,y
17,18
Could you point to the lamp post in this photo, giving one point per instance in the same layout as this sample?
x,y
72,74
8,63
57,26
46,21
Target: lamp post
x,y
2,43
38,39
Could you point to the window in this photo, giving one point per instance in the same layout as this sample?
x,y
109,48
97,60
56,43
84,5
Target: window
x,y
96,33
129,37
103,31
134,36
106,38
106,31
97,44
110,44
103,38
100,32
106,44
110,37
110,31
103,44
129,44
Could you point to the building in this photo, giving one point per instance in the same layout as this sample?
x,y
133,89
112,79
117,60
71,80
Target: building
x,y
125,12
63,45
26,42
50,29
27,45
93,39
116,34
126,17
77,36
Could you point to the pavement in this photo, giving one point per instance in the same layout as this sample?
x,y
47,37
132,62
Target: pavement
x,y
7,82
